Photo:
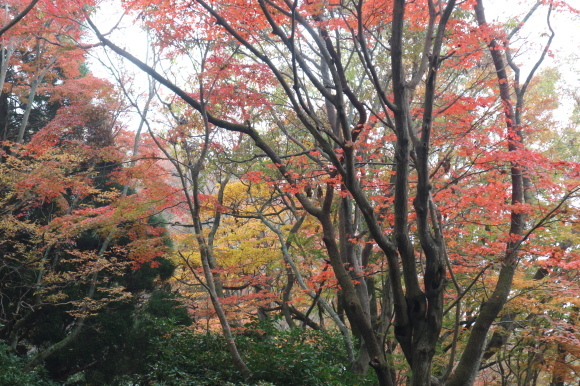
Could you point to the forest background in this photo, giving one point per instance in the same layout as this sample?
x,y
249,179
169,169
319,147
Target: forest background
x,y
353,192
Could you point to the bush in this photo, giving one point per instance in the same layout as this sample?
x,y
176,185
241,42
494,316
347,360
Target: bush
x,y
296,356
12,371
293,357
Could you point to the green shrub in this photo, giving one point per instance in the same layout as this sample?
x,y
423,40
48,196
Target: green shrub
x,y
12,371
293,357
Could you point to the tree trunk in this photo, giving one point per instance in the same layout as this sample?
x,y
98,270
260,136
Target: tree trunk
x,y
470,361
30,101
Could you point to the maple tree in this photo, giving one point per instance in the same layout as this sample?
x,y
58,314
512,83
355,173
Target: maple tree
x,y
75,237
397,139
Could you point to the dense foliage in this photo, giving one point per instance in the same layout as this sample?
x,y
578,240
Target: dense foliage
x,y
292,357
311,193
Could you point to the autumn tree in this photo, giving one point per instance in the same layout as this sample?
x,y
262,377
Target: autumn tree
x,y
75,236
406,120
